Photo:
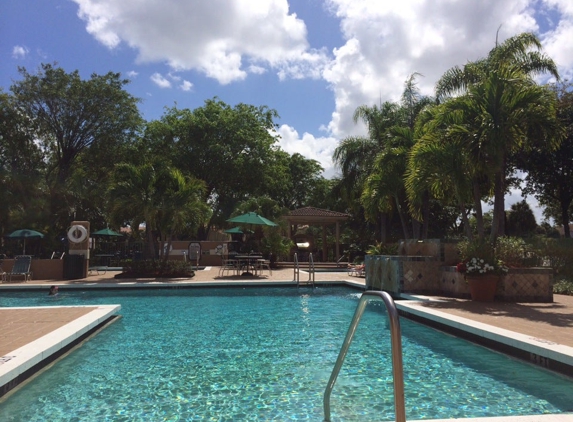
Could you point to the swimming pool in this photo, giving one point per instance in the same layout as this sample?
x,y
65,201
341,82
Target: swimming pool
x,y
260,354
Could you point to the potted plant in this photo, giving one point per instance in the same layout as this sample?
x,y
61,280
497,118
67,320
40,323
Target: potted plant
x,y
482,268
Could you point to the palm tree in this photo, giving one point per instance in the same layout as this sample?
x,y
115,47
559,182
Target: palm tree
x,y
134,198
503,108
355,155
439,164
161,197
181,206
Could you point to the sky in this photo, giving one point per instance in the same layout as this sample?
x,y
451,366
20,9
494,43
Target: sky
x,y
314,61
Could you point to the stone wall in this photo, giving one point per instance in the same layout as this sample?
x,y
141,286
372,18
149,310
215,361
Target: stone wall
x,y
42,269
518,285
427,267
396,274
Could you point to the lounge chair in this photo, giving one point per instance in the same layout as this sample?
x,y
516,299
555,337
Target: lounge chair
x,y
22,264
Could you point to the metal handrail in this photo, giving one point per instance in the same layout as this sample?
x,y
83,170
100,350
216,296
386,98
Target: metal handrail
x,y
396,339
296,276
311,269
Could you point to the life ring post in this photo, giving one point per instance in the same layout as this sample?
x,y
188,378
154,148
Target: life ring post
x,y
77,233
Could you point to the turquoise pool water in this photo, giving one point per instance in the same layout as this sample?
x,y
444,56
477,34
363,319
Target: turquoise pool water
x,y
262,354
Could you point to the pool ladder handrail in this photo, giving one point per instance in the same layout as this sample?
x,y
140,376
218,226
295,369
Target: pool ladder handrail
x,y
311,269
296,276
396,339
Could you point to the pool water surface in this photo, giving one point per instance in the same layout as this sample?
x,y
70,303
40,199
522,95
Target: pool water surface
x,y
260,354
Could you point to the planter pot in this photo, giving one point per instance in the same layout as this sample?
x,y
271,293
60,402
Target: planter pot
x,y
482,287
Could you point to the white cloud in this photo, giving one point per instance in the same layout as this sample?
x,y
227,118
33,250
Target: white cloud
x,y
319,149
214,37
19,52
186,86
160,81
132,74
388,41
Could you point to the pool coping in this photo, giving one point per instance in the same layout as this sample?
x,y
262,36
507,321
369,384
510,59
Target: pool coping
x,y
27,360
543,353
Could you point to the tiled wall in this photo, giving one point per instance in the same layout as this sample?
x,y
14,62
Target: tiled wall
x,y
427,268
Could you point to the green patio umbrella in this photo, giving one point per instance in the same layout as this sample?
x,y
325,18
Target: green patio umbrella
x,y
237,230
106,233
252,218
25,234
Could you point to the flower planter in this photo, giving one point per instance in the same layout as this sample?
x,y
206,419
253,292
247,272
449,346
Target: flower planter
x,y
482,287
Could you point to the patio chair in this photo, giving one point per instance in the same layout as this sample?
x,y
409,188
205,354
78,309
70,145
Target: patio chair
x,y
230,265
264,264
22,264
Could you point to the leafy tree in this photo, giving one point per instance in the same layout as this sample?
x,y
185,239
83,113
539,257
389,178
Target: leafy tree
x,y
182,206
355,158
226,147
520,220
69,115
384,189
550,172
504,109
21,165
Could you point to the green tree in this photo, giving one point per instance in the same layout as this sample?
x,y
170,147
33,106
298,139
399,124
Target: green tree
x,y
355,158
226,147
68,115
550,171
520,220
503,108
21,167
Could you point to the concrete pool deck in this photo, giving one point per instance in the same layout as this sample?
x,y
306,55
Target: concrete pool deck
x,y
543,330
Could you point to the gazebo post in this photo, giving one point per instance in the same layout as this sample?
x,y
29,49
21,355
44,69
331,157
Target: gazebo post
x,y
337,241
324,246
317,216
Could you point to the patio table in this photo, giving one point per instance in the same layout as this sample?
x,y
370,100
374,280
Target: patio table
x,y
248,262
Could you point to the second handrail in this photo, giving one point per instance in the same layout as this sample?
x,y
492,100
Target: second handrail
x,y
396,339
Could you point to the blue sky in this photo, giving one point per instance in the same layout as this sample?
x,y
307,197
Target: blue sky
x,y
314,61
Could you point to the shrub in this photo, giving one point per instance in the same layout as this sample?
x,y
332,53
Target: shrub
x,y
563,287
512,251
156,268
479,258
382,249
557,254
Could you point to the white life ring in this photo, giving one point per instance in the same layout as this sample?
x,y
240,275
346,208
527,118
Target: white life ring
x,y
77,233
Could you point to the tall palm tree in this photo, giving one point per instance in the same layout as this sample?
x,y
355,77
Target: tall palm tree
x,y
181,205
440,163
503,107
355,155
134,198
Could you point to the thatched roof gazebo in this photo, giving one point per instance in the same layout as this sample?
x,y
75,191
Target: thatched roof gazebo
x,y
316,216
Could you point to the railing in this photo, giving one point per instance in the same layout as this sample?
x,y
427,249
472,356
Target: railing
x,y
296,267
396,339
311,269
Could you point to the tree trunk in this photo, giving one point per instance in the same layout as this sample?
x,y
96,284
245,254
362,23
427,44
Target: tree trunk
x,y
403,220
383,227
150,242
466,222
426,215
478,210
416,229
565,220
498,222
